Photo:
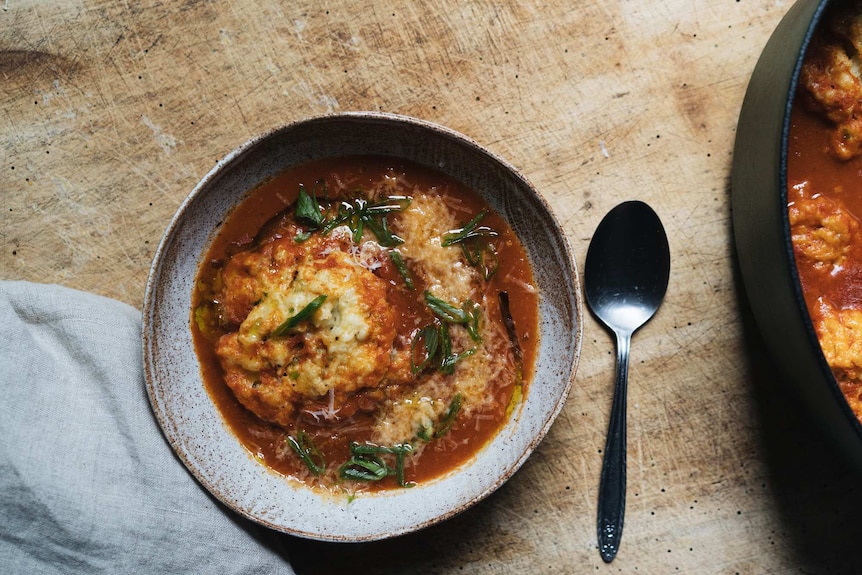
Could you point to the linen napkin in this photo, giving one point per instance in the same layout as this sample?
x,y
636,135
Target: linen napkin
x,y
88,484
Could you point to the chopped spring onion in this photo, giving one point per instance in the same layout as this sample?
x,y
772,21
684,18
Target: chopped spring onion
x,y
358,230
366,463
310,454
450,417
447,364
474,313
388,205
308,209
425,433
402,268
482,255
437,351
476,245
469,315
448,360
359,213
445,311
470,231
429,336
364,468
381,229
303,314
445,344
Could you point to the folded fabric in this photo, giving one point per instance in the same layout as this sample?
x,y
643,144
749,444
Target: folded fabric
x,y
88,483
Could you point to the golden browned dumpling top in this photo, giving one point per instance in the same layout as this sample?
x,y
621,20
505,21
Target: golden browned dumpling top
x,y
312,321
830,78
840,335
823,231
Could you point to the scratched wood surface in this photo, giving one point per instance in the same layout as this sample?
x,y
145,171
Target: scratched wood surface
x,y
111,111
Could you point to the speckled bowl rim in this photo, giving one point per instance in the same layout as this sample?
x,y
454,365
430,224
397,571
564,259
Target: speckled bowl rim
x,y
201,439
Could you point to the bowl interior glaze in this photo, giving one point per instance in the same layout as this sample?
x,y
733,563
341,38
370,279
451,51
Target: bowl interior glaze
x,y
190,420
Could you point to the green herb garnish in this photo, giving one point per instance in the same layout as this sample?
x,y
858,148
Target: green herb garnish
x,y
310,454
380,228
444,310
432,346
450,417
475,244
308,208
428,433
482,255
358,213
468,315
474,313
448,360
470,231
364,468
401,266
445,344
426,342
367,464
303,314
447,364
425,433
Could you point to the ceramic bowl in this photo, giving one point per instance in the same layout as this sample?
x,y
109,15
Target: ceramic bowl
x,y
190,420
762,229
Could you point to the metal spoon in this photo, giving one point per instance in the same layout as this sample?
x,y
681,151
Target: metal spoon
x,y
625,279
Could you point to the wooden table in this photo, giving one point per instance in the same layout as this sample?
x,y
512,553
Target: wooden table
x,y
113,110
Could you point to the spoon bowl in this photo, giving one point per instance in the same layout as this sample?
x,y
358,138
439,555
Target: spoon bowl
x,y
625,278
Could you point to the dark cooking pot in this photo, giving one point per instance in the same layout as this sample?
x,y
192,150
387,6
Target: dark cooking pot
x,y
762,229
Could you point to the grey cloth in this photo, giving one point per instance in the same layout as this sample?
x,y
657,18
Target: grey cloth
x,y
88,483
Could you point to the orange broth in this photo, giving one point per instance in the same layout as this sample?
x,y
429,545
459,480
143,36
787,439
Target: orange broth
x,y
809,160
265,441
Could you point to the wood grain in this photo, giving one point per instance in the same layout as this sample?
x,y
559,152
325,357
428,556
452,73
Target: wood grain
x,y
112,111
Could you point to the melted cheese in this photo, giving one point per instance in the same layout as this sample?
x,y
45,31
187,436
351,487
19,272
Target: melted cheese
x,y
422,226
447,277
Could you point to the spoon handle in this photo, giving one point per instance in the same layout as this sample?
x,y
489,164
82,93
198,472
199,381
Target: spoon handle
x,y
612,484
